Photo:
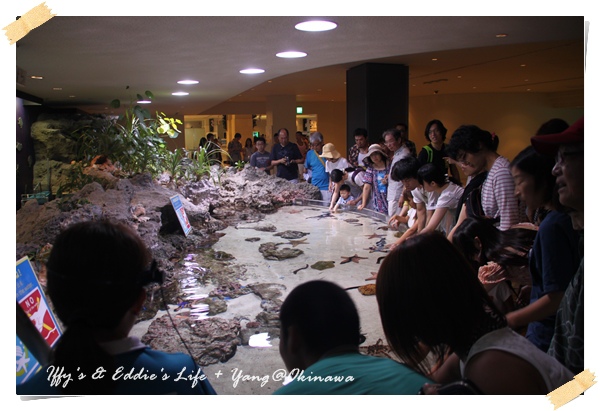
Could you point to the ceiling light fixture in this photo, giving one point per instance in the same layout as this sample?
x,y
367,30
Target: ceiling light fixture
x,y
37,77
188,82
501,35
144,102
180,93
291,54
316,25
252,71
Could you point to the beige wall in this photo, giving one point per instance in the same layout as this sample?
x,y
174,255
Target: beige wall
x,y
514,117
331,122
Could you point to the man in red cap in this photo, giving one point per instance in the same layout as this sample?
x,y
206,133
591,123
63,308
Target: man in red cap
x,y
567,147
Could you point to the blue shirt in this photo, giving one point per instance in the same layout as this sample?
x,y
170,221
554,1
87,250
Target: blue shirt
x,y
553,261
355,373
316,164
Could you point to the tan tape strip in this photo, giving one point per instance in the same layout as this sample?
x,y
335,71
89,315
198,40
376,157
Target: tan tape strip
x,y
33,18
572,389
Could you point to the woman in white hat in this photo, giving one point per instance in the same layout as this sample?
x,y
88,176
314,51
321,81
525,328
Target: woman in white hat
x,y
376,179
333,160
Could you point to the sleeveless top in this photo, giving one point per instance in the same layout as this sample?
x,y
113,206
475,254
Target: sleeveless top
x,y
504,339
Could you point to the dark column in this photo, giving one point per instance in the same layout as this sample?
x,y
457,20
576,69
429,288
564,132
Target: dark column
x,y
376,98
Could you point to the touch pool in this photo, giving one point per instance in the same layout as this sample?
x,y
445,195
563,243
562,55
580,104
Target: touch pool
x,y
351,242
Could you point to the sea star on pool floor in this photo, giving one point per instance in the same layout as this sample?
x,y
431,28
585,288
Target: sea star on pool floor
x,y
373,276
354,259
294,243
374,236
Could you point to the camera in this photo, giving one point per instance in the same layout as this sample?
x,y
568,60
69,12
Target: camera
x,y
287,160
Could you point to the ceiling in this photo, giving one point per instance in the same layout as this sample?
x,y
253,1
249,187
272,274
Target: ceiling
x,y
86,62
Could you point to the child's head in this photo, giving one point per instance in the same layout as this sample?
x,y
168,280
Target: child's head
x,y
345,191
406,170
407,194
431,177
336,175
260,144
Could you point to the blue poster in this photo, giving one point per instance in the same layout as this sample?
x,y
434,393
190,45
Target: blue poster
x,y
32,300
181,216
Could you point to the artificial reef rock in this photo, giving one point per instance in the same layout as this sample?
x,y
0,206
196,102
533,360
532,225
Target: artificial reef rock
x,y
241,199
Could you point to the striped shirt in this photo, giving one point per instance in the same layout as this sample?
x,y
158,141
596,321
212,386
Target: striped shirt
x,y
498,195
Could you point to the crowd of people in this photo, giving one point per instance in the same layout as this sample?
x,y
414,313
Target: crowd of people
x,y
498,310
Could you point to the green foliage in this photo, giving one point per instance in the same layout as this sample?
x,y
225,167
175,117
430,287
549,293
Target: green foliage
x,y
203,162
174,163
74,180
135,143
239,165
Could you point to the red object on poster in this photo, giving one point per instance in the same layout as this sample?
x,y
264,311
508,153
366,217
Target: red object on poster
x,y
35,307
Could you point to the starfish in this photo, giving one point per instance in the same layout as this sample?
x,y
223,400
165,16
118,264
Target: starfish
x,y
294,243
326,214
374,249
373,276
354,259
374,236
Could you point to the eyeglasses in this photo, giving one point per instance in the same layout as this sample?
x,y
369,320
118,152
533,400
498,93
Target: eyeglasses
x,y
562,155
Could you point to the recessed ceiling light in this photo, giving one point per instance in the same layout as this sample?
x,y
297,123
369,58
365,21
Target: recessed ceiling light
x,y
316,25
501,35
291,54
252,71
144,102
433,59
180,93
57,88
523,65
188,82
37,77
71,96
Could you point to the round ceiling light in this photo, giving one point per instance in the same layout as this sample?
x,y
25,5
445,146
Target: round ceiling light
x,y
252,71
316,25
180,93
144,102
291,54
188,82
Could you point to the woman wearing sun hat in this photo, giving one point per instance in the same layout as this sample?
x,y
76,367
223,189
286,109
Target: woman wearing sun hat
x,y
333,160
376,179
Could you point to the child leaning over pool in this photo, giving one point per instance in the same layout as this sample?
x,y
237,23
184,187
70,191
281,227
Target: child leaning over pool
x,y
345,198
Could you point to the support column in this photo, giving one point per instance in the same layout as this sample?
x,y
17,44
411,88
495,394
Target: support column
x,y
376,99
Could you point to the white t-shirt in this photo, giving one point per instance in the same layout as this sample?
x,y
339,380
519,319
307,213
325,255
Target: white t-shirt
x,y
420,196
449,198
395,188
361,157
341,164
